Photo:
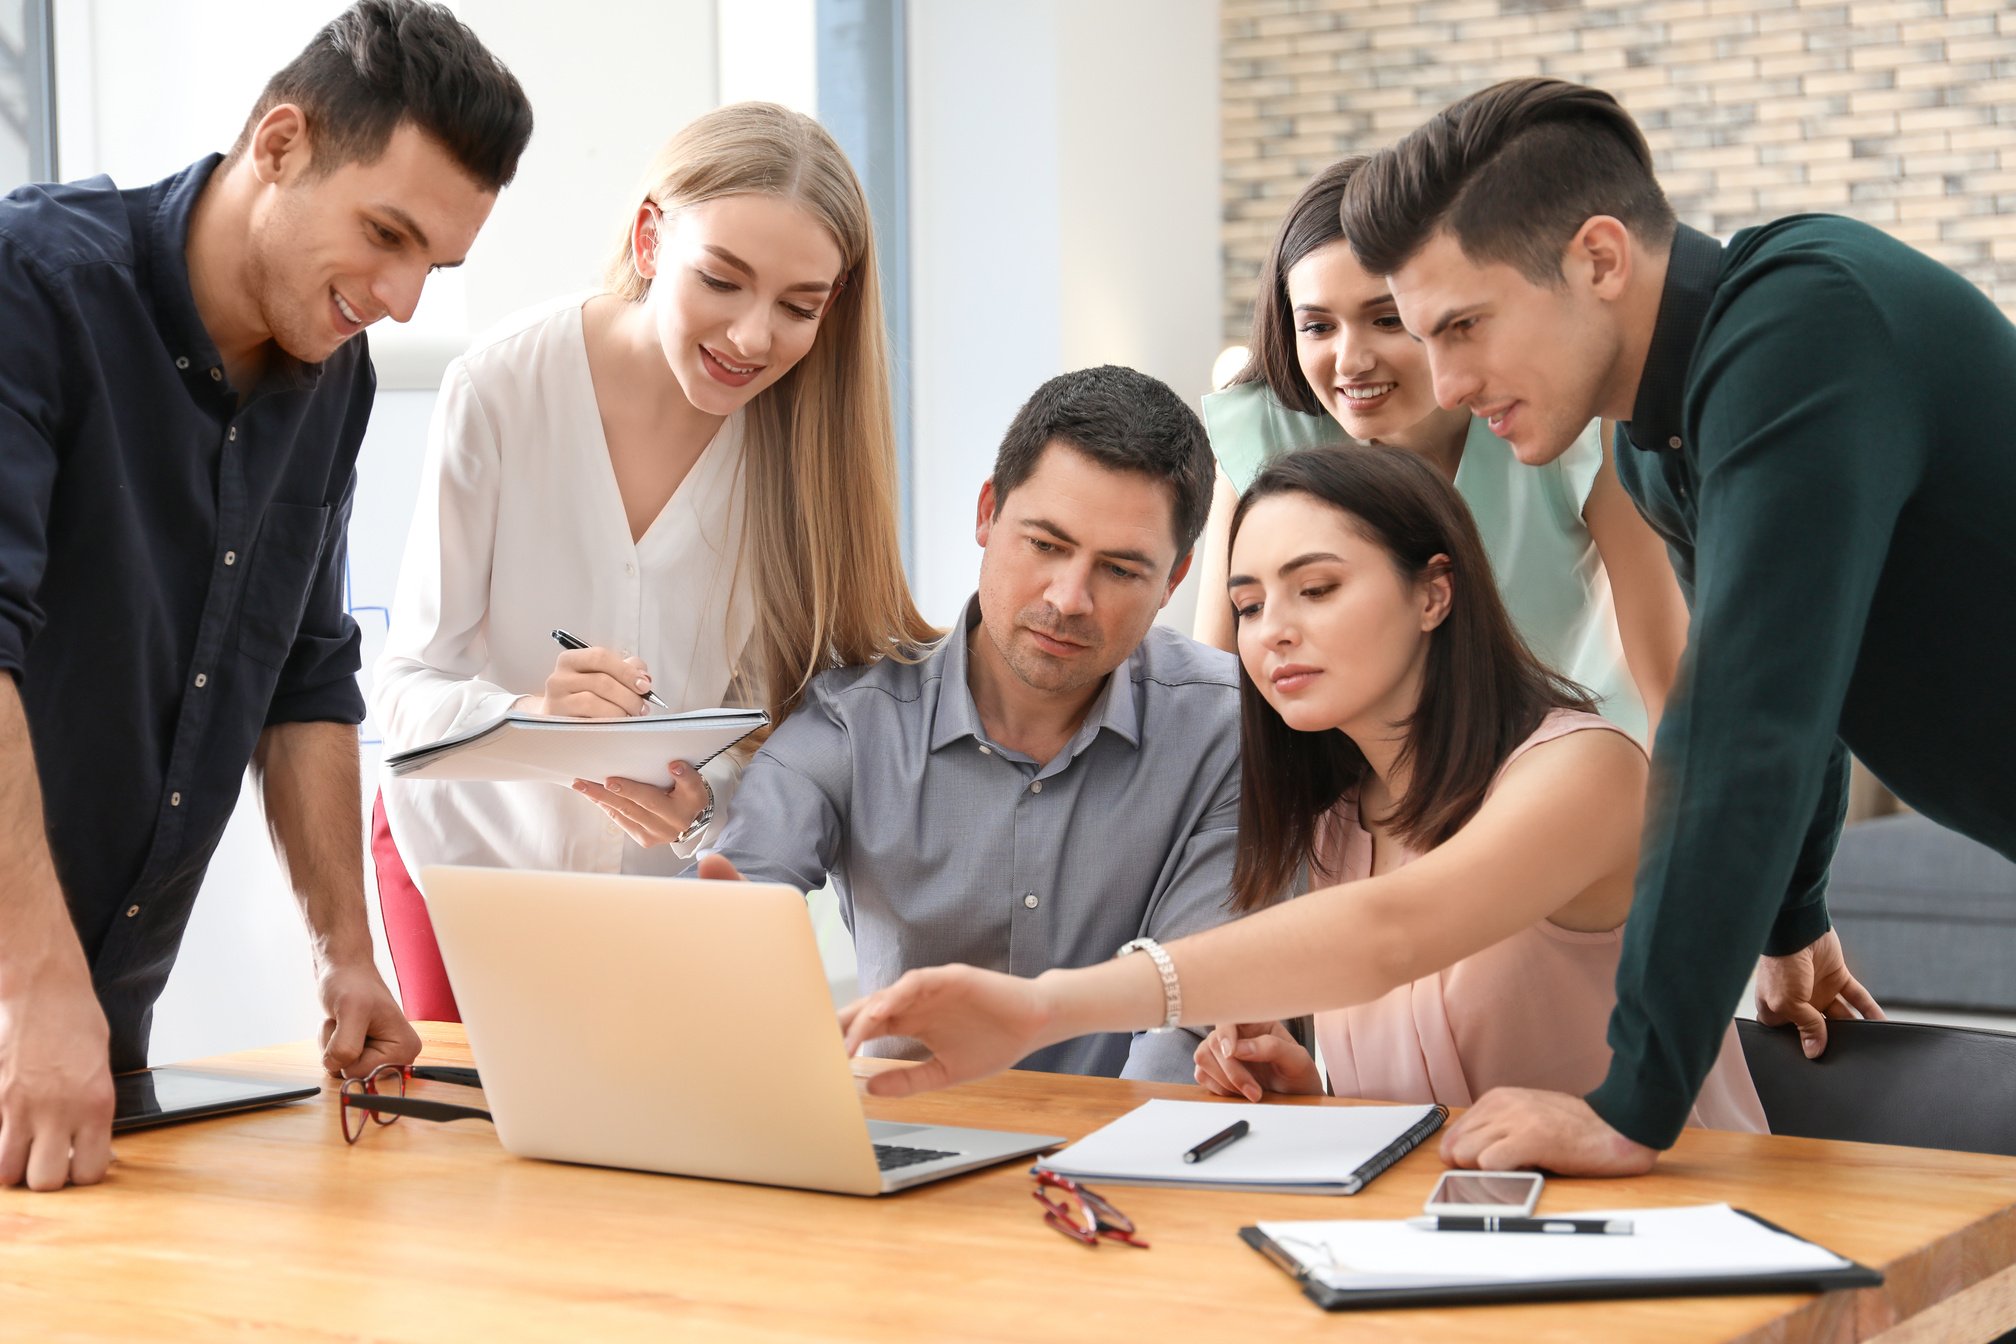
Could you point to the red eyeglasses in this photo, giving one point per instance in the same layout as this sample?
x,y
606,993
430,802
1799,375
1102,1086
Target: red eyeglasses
x,y
381,1095
1082,1215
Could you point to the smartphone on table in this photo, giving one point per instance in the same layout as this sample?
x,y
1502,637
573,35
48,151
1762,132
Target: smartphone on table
x,y
1485,1194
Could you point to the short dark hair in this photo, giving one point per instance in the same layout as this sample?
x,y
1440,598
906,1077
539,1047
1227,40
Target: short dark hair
x,y
1125,421
1312,222
1511,172
381,62
1483,692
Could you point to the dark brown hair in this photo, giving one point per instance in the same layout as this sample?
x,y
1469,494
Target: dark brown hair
x,y
1125,421
1511,172
381,62
1312,222
1484,691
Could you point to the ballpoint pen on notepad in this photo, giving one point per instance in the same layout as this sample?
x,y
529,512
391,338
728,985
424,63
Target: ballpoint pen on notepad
x,y
1232,1133
567,641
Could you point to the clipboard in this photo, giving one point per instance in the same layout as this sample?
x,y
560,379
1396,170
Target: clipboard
x,y
1452,1291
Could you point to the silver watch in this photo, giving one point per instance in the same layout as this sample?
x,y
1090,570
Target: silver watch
x,y
700,818
1172,993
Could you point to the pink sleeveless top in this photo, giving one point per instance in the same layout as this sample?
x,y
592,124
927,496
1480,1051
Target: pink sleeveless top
x,y
1528,1011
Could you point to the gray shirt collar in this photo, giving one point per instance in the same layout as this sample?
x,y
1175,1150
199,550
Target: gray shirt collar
x,y
956,718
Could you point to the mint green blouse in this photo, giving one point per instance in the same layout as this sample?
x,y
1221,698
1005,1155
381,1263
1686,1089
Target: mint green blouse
x,y
1530,518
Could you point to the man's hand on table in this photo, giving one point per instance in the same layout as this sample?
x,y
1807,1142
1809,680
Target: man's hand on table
x,y
364,1026
1514,1128
56,1095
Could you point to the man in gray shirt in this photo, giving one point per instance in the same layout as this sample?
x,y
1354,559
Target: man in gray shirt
x,y
1059,775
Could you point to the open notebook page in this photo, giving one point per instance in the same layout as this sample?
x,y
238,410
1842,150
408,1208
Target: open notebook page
x,y
1285,1144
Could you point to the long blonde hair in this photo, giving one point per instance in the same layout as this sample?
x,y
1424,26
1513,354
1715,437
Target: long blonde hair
x,y
820,445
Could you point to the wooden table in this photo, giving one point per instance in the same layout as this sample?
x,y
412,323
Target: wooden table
x,y
267,1226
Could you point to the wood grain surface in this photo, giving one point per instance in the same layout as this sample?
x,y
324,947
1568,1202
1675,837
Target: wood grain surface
x,y
267,1226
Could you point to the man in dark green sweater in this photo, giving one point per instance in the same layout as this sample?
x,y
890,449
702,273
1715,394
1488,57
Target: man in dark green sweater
x,y
1810,416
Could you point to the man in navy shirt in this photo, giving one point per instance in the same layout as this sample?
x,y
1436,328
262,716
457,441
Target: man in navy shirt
x,y
181,404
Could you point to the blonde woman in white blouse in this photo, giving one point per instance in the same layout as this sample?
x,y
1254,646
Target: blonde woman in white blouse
x,y
693,472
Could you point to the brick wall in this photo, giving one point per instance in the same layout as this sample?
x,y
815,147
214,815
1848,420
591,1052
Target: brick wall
x,y
1898,112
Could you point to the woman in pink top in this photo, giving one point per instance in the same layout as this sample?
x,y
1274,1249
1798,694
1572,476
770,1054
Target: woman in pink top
x,y
1394,721
1472,829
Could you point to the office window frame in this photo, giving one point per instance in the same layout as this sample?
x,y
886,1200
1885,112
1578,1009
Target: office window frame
x,y
37,60
863,99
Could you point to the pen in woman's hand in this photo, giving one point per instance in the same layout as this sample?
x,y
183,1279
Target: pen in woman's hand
x,y
567,641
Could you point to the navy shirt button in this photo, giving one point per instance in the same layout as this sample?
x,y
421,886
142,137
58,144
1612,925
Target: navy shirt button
x,y
1673,442
216,375
232,434
230,557
201,681
175,800
181,361
132,910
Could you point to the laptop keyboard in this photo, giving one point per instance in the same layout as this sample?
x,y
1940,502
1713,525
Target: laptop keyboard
x,y
889,1156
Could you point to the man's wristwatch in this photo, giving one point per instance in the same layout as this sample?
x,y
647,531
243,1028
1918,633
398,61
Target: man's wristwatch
x,y
700,818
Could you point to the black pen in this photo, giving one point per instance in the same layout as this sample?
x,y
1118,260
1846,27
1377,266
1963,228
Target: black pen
x,y
1232,1133
1602,1226
567,641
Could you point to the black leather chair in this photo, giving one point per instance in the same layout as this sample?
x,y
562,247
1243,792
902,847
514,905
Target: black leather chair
x,y
1889,1082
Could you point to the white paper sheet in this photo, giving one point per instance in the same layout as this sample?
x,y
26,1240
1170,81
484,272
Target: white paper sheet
x,y
1286,1145
1692,1242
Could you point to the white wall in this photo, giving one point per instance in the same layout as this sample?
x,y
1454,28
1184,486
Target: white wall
x,y
1064,189
768,52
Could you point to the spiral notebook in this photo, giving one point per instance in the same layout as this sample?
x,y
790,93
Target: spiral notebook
x,y
1301,1150
1709,1249
560,751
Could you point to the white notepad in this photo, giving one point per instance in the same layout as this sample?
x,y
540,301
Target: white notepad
x,y
1318,1150
1708,1241
561,750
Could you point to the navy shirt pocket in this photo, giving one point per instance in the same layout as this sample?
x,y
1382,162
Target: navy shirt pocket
x,y
282,574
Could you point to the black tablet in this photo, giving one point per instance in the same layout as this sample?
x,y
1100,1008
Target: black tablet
x,y
171,1092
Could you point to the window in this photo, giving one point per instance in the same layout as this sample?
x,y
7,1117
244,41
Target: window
x,y
862,102
27,93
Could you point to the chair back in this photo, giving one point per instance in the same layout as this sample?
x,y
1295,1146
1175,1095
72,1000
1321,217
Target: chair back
x,y
1889,1082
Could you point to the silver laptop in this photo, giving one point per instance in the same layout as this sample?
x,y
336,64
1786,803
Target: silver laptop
x,y
672,1025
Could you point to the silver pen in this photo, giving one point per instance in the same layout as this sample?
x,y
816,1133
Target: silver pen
x,y
1614,1227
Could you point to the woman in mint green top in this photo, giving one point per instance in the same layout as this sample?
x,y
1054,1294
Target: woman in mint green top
x,y
1585,579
